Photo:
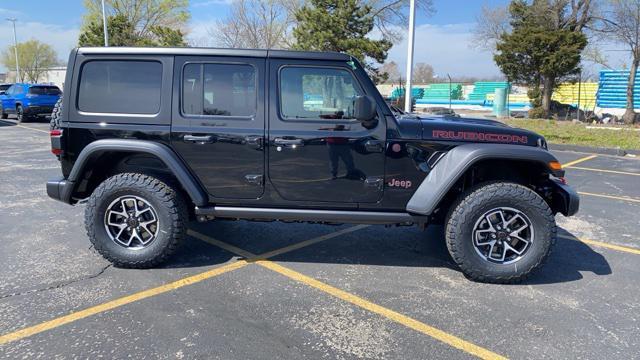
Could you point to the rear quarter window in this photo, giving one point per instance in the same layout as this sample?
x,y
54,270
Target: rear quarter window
x,y
119,86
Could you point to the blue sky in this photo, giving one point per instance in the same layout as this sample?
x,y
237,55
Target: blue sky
x,y
443,39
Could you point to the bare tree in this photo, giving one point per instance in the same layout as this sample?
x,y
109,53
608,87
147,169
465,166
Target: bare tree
x,y
391,69
391,14
491,23
257,24
620,21
422,73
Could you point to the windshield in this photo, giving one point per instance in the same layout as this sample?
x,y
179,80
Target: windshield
x,y
44,90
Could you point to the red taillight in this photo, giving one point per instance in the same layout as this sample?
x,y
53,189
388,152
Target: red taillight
x,y
56,143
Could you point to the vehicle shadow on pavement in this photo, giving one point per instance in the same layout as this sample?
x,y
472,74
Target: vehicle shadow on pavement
x,y
374,245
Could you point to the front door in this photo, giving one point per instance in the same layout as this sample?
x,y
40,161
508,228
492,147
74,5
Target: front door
x,y
218,123
317,151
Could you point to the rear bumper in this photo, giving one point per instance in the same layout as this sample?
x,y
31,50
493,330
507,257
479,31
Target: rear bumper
x,y
565,199
35,110
60,189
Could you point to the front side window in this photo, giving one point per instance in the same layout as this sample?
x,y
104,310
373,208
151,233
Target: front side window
x,y
219,90
121,87
308,93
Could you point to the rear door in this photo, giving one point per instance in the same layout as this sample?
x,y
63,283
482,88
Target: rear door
x,y
218,123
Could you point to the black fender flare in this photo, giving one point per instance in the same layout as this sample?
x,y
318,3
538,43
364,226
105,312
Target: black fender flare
x,y
458,160
161,151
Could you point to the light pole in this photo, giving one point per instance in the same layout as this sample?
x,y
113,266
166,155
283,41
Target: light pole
x,y
15,48
412,28
104,26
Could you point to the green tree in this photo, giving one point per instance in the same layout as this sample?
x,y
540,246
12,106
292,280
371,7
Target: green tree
x,y
544,45
34,56
122,33
343,26
144,22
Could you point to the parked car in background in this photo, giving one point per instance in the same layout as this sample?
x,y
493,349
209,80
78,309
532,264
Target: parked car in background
x,y
4,87
29,101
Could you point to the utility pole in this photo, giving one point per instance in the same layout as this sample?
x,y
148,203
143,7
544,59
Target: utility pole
x,y
412,28
15,48
104,26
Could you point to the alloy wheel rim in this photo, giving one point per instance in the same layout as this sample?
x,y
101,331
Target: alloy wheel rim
x,y
503,235
131,222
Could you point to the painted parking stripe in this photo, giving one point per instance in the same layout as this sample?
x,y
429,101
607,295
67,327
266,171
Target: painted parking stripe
x,y
605,171
397,317
575,162
615,247
75,316
78,315
24,127
612,197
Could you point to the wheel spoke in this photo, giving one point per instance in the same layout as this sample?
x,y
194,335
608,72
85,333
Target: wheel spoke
x,y
518,230
502,219
509,247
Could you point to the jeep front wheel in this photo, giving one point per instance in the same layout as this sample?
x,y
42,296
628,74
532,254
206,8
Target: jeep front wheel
x,y
135,220
500,232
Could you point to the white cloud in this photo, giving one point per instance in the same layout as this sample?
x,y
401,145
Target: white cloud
x,y
61,38
448,48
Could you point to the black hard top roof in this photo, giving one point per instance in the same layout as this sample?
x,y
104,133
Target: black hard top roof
x,y
194,51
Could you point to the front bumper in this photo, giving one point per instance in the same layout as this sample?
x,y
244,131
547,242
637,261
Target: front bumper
x,y
565,199
60,189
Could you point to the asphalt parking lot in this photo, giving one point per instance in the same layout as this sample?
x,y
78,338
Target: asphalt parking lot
x,y
239,290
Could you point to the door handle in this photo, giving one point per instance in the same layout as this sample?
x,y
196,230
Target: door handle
x,y
288,142
200,139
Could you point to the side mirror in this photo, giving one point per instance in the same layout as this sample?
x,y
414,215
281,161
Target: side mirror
x,y
364,108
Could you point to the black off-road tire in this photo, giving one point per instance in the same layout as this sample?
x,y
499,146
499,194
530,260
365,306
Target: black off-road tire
x,y
472,205
3,115
56,116
168,204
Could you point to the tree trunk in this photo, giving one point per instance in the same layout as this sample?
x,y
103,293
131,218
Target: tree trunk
x,y
629,116
547,91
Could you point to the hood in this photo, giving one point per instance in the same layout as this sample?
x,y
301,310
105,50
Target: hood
x,y
462,129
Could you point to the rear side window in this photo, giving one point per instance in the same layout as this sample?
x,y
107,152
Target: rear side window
x,y
44,90
123,87
219,90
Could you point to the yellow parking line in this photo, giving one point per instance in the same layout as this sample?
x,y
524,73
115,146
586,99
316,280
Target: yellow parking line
x,y
24,127
571,163
626,249
74,316
623,198
605,171
411,323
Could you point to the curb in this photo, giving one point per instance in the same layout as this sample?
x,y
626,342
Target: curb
x,y
594,150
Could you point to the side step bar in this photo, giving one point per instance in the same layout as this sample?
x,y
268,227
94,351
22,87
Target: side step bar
x,y
332,216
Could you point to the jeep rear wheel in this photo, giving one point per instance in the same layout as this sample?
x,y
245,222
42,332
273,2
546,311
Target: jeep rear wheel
x,y
500,232
3,115
135,220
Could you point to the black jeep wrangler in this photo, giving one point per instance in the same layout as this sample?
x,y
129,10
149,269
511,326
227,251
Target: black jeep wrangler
x,y
150,138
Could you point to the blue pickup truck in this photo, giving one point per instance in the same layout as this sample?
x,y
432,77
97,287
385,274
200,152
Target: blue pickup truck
x,y
28,101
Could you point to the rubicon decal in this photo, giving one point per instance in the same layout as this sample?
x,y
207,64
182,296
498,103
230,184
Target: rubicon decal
x,y
478,136
405,184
